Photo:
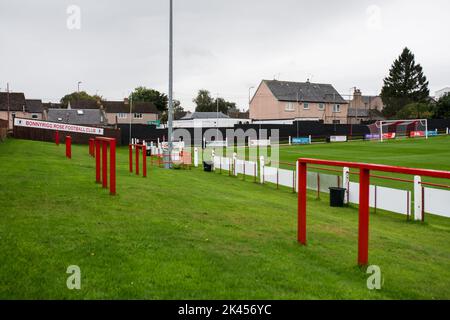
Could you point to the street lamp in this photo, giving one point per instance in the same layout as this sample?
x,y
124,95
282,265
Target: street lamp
x,y
78,94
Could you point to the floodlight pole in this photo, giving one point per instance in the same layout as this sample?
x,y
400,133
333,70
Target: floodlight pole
x,y
131,118
170,115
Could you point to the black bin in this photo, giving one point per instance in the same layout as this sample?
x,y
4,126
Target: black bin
x,y
207,166
337,196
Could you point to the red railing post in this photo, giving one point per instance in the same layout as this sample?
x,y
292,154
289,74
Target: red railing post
x,y
57,138
130,157
137,159
97,161
69,147
112,167
301,219
105,164
144,161
363,234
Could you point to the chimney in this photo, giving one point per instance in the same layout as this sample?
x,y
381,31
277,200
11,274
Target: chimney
x,y
125,101
357,99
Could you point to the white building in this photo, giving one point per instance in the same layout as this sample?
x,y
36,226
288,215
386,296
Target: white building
x,y
208,120
439,94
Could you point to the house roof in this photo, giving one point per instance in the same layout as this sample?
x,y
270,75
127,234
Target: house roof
x,y
122,107
34,106
304,91
16,101
84,104
205,115
365,113
79,116
51,105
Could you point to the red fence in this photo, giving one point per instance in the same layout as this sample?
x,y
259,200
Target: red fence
x,y
364,185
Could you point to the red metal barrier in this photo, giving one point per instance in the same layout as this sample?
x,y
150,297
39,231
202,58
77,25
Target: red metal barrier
x,y
92,147
138,148
69,147
364,185
57,138
101,145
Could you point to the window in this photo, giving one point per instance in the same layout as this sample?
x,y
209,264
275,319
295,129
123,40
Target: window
x,y
337,108
336,121
290,106
138,116
306,106
122,115
34,116
321,106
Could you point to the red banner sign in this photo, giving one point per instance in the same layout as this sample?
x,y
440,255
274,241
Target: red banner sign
x,y
415,134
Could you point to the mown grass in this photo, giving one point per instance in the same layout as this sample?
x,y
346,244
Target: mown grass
x,y
187,234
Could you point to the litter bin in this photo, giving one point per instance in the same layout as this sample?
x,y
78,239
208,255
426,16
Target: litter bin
x,y
337,196
207,166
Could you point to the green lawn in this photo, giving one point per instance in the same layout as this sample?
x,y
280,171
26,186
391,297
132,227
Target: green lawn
x,y
187,234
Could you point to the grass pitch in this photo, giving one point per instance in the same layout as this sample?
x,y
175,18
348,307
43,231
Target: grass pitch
x,y
187,234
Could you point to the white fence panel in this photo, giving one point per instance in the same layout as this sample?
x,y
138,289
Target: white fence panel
x,y
226,164
247,168
311,180
286,178
437,202
271,175
393,200
250,168
328,181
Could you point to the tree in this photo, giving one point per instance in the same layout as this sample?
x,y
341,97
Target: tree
x,y
405,84
442,108
416,110
143,94
178,112
75,96
205,103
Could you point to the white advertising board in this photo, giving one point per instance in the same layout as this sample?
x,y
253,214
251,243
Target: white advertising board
x,y
29,123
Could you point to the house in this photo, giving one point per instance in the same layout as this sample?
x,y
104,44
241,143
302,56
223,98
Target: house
x,y
366,102
283,100
118,112
207,120
364,108
439,94
91,117
14,104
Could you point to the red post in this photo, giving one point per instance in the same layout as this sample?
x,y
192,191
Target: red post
x,y
363,235
69,147
137,159
57,138
144,161
112,167
105,164
301,220
97,161
92,147
130,157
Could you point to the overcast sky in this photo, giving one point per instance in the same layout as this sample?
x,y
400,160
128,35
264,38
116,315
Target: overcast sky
x,y
225,46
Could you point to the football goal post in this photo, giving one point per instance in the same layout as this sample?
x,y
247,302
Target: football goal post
x,y
393,129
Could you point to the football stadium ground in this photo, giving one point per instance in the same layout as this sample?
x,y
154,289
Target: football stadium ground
x,y
189,234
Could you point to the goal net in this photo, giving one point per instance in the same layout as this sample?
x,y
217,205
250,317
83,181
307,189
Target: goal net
x,y
395,129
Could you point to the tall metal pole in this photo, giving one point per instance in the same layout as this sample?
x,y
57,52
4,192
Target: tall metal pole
x,y
78,95
131,118
217,117
7,95
170,115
